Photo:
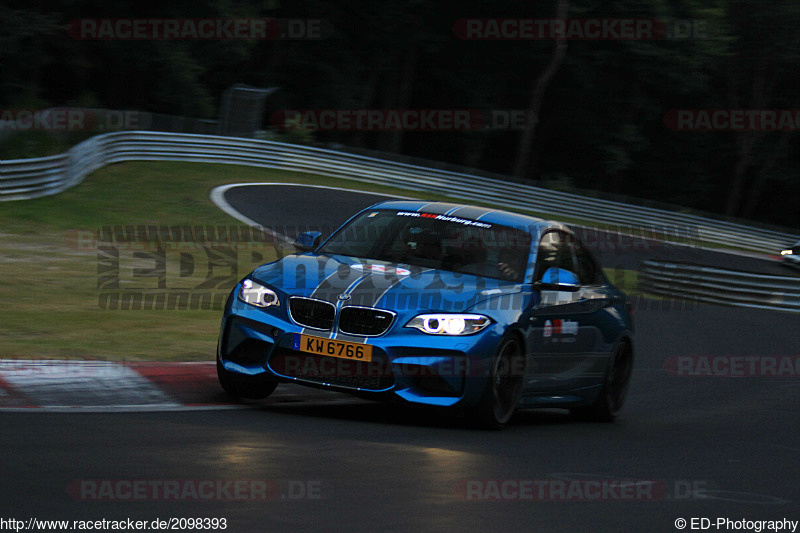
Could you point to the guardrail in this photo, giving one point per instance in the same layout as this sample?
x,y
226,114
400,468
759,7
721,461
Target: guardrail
x,y
720,286
31,178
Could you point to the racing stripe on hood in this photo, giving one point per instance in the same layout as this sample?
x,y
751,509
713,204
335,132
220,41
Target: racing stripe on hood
x,y
390,287
370,288
428,289
336,283
328,290
367,292
341,303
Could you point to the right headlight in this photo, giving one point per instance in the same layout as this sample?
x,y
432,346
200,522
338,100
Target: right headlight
x,y
256,294
449,323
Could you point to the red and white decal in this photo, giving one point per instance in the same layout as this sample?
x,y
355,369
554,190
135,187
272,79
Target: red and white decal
x,y
560,327
383,269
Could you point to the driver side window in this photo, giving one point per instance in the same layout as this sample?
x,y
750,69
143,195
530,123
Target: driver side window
x,y
555,251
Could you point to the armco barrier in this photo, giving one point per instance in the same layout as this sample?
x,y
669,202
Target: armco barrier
x,y
714,285
32,178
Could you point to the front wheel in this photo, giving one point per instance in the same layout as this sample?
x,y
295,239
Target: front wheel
x,y
503,388
248,387
615,387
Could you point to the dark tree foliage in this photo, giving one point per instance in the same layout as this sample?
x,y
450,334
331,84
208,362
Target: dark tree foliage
x,y
600,124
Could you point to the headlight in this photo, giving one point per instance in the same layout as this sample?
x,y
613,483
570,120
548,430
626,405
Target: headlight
x,y
256,294
449,324
786,252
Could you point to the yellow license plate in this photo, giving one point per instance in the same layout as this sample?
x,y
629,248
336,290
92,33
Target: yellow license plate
x,y
332,347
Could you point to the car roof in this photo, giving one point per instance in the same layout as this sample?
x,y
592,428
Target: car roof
x,y
470,212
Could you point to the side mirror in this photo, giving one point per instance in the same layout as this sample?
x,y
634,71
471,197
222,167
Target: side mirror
x,y
307,241
558,279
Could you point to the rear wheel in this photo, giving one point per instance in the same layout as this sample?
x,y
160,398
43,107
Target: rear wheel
x,y
503,388
241,386
615,388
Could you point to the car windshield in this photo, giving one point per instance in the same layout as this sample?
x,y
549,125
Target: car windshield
x,y
434,241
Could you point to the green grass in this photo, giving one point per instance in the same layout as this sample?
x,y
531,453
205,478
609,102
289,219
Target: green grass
x,y
49,294
625,280
51,284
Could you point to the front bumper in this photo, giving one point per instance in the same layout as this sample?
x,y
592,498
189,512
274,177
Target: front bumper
x,y
407,365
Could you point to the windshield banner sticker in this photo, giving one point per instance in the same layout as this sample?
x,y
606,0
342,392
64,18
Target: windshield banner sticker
x,y
444,218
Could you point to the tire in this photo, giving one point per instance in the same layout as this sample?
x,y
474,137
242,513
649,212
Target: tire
x,y
615,387
245,387
503,388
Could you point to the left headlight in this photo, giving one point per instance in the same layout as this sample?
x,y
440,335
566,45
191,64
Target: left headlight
x,y
786,252
256,294
449,324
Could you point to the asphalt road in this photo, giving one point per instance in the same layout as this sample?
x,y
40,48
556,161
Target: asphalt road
x,y
693,446
685,446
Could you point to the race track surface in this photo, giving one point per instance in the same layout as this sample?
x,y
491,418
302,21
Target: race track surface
x,y
709,431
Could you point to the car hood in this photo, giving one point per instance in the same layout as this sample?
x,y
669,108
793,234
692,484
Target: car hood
x,y
371,283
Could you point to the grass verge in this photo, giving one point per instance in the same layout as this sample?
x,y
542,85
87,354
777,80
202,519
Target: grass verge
x,y
52,280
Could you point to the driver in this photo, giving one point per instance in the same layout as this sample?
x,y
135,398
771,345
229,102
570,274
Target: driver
x,y
423,242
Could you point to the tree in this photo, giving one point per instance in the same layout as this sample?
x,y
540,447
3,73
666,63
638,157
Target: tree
x,y
528,133
760,75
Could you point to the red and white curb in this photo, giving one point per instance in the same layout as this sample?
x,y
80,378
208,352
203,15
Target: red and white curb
x,y
104,385
101,386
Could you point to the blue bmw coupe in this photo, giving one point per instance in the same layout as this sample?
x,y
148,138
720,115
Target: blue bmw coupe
x,y
435,304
